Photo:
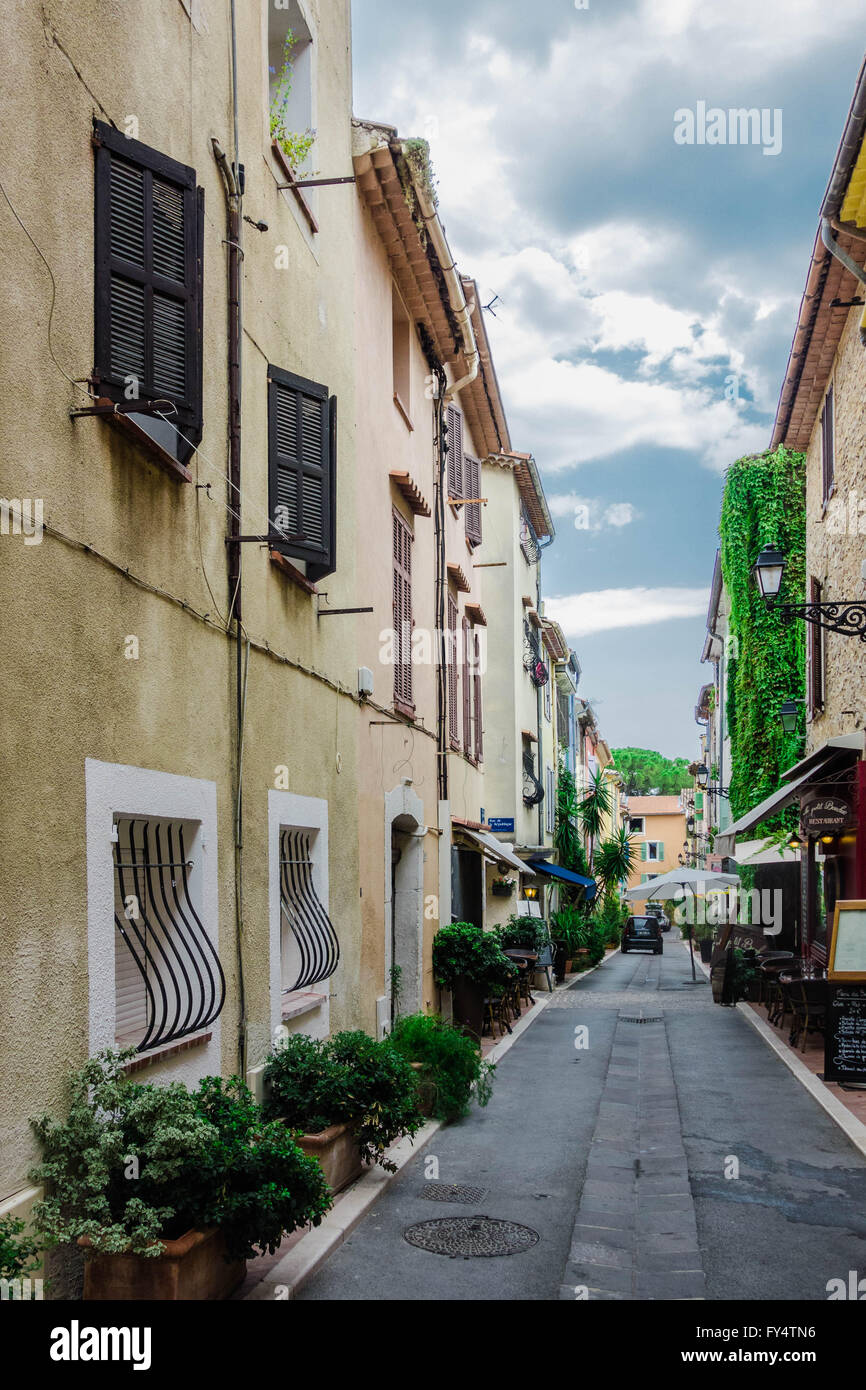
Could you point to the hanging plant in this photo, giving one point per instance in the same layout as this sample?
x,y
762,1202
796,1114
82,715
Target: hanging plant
x,y
296,147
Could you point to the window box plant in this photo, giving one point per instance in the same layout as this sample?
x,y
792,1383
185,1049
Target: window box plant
x,y
347,1098
470,963
168,1191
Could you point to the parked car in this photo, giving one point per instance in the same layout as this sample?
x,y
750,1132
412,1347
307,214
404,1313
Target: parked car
x,y
642,934
656,910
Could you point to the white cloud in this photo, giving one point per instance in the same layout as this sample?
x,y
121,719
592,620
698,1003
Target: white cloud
x,y
582,614
591,514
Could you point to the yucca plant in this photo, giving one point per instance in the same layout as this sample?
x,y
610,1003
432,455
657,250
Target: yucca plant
x,y
614,861
592,809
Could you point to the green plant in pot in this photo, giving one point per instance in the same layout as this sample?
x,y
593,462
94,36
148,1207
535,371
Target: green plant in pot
x,y
163,1185
452,1071
470,963
348,1082
523,934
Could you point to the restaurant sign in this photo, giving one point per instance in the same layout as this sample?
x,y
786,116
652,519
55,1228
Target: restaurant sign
x,y
824,815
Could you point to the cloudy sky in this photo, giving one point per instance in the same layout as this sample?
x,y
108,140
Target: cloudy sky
x,y
647,288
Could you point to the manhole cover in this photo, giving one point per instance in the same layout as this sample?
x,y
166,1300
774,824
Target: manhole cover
x,y
467,1237
633,1018
452,1192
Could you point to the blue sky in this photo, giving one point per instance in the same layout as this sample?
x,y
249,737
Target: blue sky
x,y
641,282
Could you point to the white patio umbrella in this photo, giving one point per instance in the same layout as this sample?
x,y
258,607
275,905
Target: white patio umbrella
x,y
698,880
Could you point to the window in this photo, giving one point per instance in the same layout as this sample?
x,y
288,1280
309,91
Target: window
x,y
547,703
828,448
400,353
472,488
454,441
302,470
168,981
148,264
291,75
451,657
476,696
528,539
814,656
402,612
652,849
636,825
533,791
467,690
309,949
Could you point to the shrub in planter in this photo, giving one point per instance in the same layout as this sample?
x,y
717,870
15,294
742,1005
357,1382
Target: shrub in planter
x,y
459,948
597,941
134,1166
523,934
346,1079
19,1253
451,1063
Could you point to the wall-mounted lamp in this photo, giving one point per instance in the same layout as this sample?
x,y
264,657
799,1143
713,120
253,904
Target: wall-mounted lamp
x,y
530,891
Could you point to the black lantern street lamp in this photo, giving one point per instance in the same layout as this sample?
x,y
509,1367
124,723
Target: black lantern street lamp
x,y
788,714
703,776
847,616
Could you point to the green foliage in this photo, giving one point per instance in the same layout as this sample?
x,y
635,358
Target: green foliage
x,y
614,860
18,1252
459,948
592,810
645,771
523,934
452,1064
609,920
745,972
416,152
763,504
296,147
348,1077
572,925
567,838
598,934
133,1165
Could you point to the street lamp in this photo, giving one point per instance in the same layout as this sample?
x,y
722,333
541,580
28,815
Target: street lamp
x,y
847,616
795,842
788,714
703,776
530,892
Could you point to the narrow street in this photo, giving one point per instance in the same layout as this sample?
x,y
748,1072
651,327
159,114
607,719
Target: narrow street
x,y
616,1155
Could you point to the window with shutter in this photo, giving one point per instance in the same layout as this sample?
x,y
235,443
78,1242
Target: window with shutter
x,y
472,480
148,270
451,651
402,610
302,474
454,424
476,693
467,689
828,447
815,656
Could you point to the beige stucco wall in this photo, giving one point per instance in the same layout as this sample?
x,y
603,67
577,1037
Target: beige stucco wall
x,y
835,539
67,691
670,830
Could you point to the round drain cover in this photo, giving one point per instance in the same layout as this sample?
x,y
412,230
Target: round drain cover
x,y
452,1192
469,1237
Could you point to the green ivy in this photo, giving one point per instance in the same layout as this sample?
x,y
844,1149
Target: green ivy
x,y
764,503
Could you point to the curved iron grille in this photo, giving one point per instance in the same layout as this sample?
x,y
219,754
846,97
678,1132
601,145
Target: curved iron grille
x,y
533,657
533,791
184,982
302,912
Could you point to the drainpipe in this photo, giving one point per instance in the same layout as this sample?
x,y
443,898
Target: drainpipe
x,y
835,249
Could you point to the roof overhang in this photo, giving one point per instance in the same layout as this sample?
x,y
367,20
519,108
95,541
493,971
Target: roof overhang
x,y
495,850
532,496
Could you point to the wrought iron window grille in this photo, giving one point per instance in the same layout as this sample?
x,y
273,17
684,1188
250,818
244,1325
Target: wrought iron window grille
x,y
303,915
533,658
184,984
533,791
528,540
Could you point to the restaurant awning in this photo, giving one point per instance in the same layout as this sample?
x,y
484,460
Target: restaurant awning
x,y
565,876
501,853
809,769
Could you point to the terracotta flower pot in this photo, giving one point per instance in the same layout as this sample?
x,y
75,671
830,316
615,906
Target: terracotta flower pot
x,y
336,1149
191,1268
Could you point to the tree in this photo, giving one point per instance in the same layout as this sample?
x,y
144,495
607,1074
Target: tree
x,y
592,808
647,773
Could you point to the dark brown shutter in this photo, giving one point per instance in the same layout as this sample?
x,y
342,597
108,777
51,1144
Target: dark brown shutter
x,y
402,609
301,430
815,649
454,422
476,693
472,479
828,462
467,689
451,647
148,241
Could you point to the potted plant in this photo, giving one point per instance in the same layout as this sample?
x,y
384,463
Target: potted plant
x,y
348,1097
502,887
451,1069
168,1191
470,963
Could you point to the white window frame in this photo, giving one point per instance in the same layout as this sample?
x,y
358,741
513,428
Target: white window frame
x,y
115,790
650,845
287,811
642,829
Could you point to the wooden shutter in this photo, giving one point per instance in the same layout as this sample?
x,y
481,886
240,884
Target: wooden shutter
x,y
472,479
451,645
476,692
643,850
828,445
148,243
402,609
454,422
302,469
467,690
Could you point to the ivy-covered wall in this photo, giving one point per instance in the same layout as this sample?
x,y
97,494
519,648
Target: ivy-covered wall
x,y
764,503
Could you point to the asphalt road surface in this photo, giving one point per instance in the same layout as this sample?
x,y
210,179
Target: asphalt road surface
x,y
653,1143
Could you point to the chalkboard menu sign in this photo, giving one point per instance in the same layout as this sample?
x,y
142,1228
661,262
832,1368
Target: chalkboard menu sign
x,y
845,1033
847,959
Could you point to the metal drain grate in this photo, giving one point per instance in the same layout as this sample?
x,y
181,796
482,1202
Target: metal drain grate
x,y
471,1237
452,1192
634,1018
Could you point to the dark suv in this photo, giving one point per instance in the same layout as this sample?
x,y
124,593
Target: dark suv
x,y
642,934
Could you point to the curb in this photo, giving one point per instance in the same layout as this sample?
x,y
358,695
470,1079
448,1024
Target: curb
x,y
853,1128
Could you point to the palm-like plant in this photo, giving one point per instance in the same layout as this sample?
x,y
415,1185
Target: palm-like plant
x,y
592,808
614,861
